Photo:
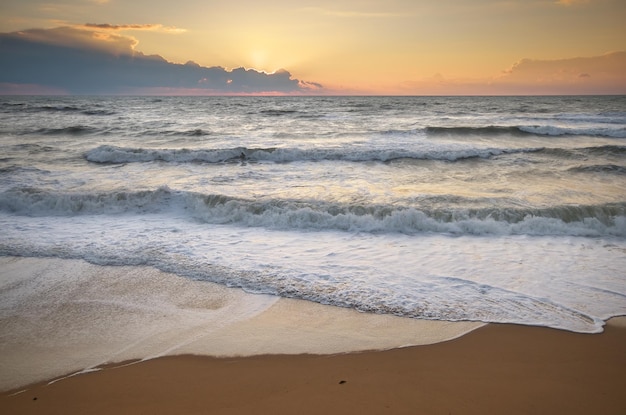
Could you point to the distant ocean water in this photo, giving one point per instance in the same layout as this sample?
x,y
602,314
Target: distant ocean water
x,y
495,209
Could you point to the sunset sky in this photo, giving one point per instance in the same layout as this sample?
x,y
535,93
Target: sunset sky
x,y
412,47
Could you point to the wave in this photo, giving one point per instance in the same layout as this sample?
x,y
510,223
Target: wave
x,y
55,108
446,298
98,112
16,169
71,130
90,130
32,148
549,130
196,132
290,113
603,117
278,113
600,168
114,154
585,152
466,130
193,132
9,107
614,131
607,150
575,220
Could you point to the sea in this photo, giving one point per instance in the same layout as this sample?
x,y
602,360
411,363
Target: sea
x,y
489,209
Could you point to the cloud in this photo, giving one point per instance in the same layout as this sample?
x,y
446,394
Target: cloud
x,y
126,27
71,37
311,86
100,60
604,74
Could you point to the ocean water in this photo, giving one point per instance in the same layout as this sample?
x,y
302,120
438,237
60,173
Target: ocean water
x,y
493,209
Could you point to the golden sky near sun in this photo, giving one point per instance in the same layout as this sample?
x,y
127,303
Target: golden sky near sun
x,y
350,45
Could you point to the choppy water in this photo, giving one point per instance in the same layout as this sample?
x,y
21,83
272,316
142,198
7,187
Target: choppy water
x,y
500,209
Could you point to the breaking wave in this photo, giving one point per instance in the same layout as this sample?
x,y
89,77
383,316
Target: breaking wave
x,y
284,214
611,131
115,154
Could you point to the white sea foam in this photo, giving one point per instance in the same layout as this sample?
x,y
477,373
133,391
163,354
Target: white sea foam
x,y
504,279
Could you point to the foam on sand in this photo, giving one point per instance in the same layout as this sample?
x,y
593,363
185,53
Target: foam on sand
x,y
60,316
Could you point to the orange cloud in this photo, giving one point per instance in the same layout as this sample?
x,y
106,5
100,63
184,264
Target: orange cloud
x,y
82,39
95,36
605,74
149,27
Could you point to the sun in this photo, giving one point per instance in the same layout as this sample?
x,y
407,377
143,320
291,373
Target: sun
x,y
259,59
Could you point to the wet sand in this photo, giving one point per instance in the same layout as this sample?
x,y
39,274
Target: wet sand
x,y
494,369
59,316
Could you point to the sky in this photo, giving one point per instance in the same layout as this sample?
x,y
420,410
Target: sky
x,y
391,47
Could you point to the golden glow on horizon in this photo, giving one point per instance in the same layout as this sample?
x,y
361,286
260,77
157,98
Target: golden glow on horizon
x,y
398,46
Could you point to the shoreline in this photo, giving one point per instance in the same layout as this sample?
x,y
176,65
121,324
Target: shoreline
x,y
64,316
81,338
497,368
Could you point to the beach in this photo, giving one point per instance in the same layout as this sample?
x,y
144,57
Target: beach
x,y
61,316
495,369
322,254
281,356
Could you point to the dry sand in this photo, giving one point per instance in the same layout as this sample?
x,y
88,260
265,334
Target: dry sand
x,y
496,369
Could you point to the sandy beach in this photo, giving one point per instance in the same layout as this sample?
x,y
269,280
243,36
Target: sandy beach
x,y
80,338
62,316
495,369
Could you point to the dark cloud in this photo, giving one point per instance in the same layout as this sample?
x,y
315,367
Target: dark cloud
x,y
81,61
